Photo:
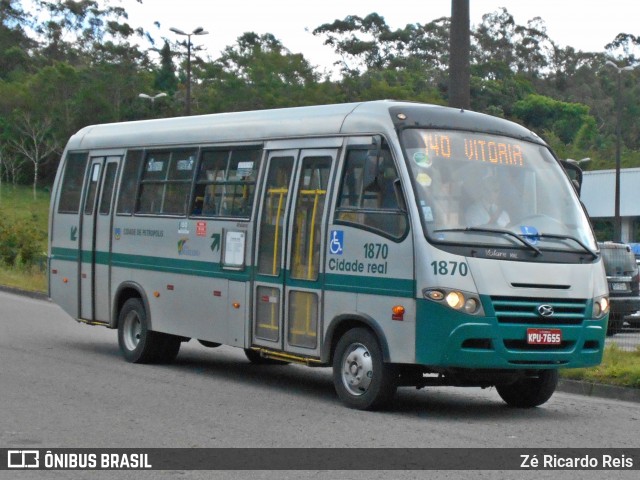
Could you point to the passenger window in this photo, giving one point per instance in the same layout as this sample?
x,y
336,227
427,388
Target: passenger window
x,y
166,182
129,182
107,188
226,183
93,189
71,189
371,201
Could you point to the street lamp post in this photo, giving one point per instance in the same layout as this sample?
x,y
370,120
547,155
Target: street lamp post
x,y
197,31
617,222
154,98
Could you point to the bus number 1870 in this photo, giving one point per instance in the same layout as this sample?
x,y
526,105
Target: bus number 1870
x,y
450,268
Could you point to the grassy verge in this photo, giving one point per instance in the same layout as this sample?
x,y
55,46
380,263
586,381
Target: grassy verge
x,y
18,206
32,279
17,203
618,367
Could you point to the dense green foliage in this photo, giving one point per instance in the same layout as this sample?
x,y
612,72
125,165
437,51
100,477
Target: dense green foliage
x,y
23,228
66,64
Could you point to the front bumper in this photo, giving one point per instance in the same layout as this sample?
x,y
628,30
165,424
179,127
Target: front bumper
x,y
446,338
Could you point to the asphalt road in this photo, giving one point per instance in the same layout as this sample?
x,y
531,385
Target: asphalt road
x,y
64,384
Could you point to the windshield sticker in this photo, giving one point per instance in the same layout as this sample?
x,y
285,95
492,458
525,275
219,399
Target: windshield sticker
x,y
423,179
530,234
427,213
422,159
154,166
245,169
184,165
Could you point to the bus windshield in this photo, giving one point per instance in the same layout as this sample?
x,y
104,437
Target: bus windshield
x,y
479,188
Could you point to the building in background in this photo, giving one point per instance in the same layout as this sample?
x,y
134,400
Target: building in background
x,y
598,193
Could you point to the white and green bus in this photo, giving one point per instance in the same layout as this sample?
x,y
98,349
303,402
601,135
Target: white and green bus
x,y
401,244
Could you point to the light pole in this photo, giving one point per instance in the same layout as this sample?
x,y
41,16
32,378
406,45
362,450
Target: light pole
x,y
154,98
617,222
197,31
579,162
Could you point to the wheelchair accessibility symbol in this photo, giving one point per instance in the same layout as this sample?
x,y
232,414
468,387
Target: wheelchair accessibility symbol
x,y
337,242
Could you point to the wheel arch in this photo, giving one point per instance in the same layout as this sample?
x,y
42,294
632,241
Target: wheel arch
x,y
125,291
342,323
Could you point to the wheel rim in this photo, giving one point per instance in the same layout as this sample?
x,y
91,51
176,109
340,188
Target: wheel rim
x,y
357,369
132,331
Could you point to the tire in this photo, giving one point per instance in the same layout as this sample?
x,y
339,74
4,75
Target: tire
x,y
254,357
530,392
615,324
137,343
361,378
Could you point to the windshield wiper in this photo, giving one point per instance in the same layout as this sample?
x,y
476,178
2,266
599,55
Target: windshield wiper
x,y
568,237
495,230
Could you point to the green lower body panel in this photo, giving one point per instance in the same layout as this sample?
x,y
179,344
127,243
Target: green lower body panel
x,y
446,338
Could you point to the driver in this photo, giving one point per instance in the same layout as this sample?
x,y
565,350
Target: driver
x,y
485,206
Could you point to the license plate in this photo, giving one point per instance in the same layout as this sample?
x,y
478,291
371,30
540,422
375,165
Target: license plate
x,y
618,286
544,336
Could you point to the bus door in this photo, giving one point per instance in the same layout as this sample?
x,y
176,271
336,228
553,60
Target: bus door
x,y
95,239
288,296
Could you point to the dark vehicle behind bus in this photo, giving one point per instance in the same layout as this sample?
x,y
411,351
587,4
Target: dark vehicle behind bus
x,y
624,283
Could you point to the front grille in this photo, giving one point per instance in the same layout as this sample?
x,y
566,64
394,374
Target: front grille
x,y
523,311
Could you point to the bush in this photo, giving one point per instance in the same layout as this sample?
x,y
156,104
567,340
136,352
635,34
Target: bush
x,y
20,243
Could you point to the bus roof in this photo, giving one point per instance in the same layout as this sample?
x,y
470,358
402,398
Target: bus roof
x,y
379,116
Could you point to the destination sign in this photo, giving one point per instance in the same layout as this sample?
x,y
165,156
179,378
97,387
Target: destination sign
x,y
473,147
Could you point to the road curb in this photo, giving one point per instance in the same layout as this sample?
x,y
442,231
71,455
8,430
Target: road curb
x,y
24,293
599,390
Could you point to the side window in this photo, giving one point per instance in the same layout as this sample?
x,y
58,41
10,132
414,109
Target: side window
x,y
93,189
166,182
72,180
107,188
226,183
129,182
369,199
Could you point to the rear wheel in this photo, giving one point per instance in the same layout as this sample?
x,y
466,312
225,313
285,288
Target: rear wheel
x,y
137,343
361,378
530,392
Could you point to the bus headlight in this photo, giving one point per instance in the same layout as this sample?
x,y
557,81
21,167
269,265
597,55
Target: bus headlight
x,y
455,300
466,302
471,305
600,307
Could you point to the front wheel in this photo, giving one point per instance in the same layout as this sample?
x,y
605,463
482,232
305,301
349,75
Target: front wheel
x,y
361,378
137,343
530,392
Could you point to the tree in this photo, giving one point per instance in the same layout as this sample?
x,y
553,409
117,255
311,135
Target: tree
x,y
15,46
2,168
369,44
166,80
34,142
12,166
79,31
257,72
564,119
